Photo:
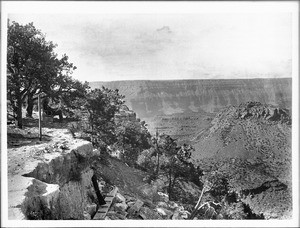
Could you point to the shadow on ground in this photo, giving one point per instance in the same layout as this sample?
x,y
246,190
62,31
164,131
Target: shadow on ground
x,y
29,134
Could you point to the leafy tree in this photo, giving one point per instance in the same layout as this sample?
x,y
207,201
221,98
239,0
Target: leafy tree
x,y
174,161
157,152
132,138
147,162
32,67
178,162
55,82
72,97
102,105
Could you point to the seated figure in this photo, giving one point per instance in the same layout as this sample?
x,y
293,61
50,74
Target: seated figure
x,y
51,111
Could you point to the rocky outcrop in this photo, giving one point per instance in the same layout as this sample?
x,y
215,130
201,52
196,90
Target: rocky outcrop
x,y
54,185
128,207
268,112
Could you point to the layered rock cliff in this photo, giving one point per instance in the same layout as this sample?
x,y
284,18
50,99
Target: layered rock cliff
x,y
151,98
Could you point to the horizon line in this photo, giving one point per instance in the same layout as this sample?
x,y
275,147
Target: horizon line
x,y
192,79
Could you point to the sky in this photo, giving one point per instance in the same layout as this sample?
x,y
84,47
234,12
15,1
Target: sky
x,y
155,46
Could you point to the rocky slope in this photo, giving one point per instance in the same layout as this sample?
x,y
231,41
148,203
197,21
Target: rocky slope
x,y
250,145
52,180
152,98
48,179
183,108
137,198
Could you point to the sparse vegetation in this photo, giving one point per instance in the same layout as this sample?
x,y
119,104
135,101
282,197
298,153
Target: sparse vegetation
x,y
232,182
171,160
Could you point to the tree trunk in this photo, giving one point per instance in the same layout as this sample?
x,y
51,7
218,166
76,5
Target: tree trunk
x,y
197,207
157,161
30,104
170,186
19,112
157,151
17,98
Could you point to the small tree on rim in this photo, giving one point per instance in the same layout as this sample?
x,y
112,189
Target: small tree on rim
x,y
102,105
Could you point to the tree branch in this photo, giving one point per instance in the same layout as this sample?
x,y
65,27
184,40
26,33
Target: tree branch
x,y
197,207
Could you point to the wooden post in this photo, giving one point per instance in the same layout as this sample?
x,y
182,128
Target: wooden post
x,y
40,117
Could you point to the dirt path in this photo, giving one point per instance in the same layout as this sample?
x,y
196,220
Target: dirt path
x,y
25,152
21,150
24,149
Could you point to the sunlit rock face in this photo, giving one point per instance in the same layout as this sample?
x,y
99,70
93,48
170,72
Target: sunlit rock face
x,y
151,98
58,188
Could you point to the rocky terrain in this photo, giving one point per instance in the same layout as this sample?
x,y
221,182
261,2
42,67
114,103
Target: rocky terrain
x,y
250,145
182,108
42,174
137,198
52,179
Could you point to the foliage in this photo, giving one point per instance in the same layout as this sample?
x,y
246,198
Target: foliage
x,y
132,138
235,210
146,161
174,161
102,105
33,67
74,98
221,202
178,163
219,187
101,120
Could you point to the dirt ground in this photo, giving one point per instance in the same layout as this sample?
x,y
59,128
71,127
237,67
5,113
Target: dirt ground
x,y
24,150
24,145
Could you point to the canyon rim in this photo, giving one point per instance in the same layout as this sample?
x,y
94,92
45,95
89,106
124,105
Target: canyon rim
x,y
212,89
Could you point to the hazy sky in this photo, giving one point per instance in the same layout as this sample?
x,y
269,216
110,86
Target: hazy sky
x,y
108,47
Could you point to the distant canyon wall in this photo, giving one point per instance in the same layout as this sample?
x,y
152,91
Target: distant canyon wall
x,y
152,98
